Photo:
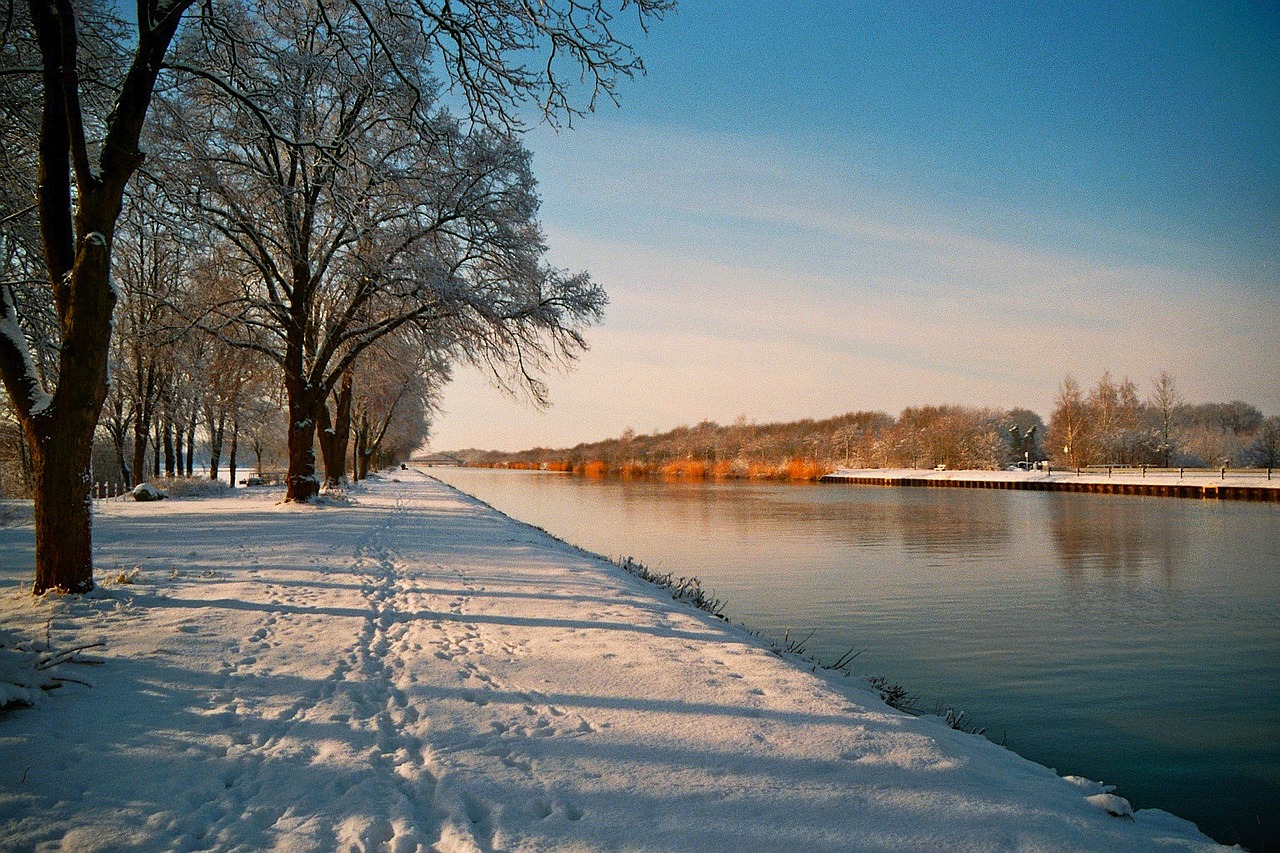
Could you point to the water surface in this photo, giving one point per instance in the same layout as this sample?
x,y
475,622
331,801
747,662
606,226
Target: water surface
x,y
1134,640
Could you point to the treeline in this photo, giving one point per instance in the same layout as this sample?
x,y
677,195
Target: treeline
x,y
187,406
1109,424
335,205
957,436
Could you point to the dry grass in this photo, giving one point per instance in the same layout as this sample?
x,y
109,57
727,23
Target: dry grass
x,y
807,470
594,468
688,469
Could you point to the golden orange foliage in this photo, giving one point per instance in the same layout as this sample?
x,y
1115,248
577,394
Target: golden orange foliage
x,y
806,469
690,469
722,470
594,468
559,465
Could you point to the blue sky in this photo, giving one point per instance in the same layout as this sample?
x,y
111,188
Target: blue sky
x,y
810,208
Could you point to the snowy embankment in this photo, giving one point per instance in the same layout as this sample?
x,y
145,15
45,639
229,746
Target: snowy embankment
x,y
1249,478
415,671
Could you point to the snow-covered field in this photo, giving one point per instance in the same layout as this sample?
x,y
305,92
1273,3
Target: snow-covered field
x,y
412,670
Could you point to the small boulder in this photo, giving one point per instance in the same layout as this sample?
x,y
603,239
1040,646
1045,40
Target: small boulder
x,y
147,492
1111,804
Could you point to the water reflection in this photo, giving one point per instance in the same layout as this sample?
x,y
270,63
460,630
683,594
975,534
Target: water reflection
x,y
1097,532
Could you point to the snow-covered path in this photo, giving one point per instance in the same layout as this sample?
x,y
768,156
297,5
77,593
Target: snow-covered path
x,y
415,671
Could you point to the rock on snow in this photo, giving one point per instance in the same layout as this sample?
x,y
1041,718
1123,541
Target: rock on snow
x,y
415,671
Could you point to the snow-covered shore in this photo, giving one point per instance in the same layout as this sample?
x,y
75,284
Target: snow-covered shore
x,y
1250,479
1253,485
413,670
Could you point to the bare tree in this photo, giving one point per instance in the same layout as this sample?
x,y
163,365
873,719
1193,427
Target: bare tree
x,y
1164,401
1069,426
396,395
78,84
355,207
1265,451
70,65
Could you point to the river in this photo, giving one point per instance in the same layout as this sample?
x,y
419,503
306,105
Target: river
x,y
1133,640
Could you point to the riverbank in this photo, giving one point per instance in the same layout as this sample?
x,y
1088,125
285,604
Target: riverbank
x,y
1199,483
413,670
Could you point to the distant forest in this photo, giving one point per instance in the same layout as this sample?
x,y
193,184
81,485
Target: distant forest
x,y
1109,424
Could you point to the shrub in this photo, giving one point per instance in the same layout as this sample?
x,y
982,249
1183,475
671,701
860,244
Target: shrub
x,y
690,469
594,468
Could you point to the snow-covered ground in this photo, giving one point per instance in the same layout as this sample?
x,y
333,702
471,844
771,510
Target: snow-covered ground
x,y
412,670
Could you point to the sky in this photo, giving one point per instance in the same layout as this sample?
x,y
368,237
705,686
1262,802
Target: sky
x,y
811,208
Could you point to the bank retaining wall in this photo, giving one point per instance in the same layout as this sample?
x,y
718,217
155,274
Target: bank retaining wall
x,y
1180,489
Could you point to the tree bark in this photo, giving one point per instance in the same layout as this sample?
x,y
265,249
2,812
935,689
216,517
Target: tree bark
x,y
217,423
177,449
191,443
231,459
63,508
301,483
155,452
335,434
141,433
60,434
358,431
168,446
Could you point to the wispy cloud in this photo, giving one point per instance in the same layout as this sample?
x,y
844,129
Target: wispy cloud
x,y
749,277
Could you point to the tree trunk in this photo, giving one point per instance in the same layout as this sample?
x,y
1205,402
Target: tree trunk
x,y
191,443
235,443
168,446
60,433
366,445
63,509
155,453
335,435
358,433
177,450
301,482
216,426
141,431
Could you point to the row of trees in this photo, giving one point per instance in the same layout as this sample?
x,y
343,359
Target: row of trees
x,y
1111,424
1108,424
921,436
307,198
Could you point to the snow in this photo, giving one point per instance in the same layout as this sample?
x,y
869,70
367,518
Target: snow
x,y
412,670
1250,478
16,340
